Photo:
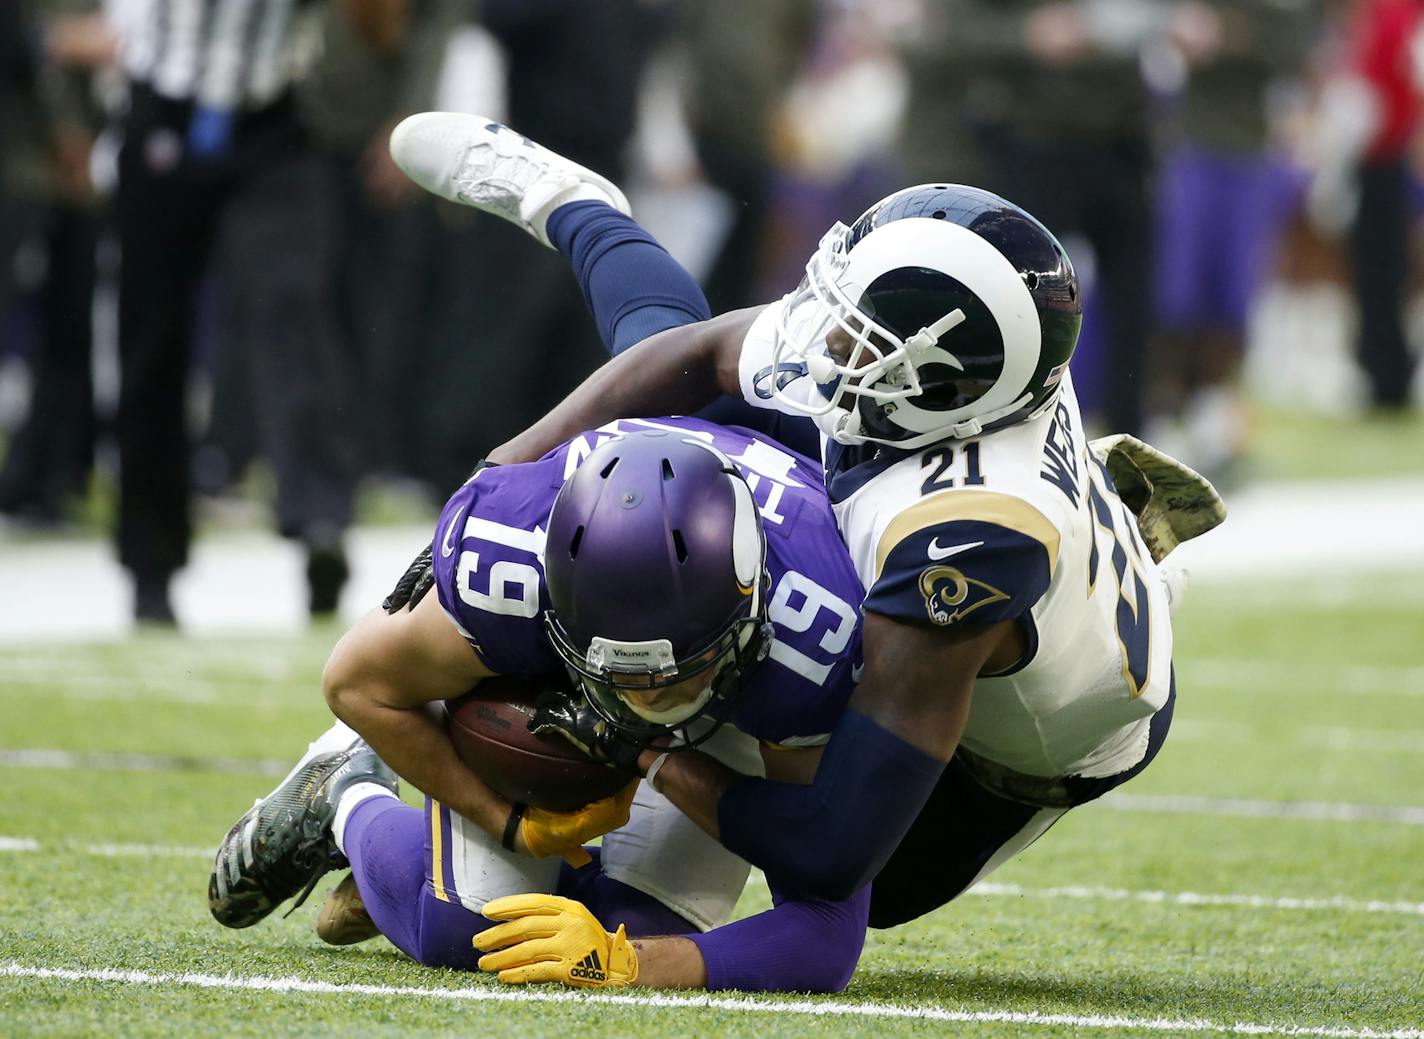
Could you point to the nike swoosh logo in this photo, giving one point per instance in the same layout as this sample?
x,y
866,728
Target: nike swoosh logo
x,y
447,548
936,553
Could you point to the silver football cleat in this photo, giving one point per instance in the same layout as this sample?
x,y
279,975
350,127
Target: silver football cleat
x,y
283,844
478,162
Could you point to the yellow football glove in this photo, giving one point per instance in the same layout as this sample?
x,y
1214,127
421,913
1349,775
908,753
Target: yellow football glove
x,y
548,938
564,833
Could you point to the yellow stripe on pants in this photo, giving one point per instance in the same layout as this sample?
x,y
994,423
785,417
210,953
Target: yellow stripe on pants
x,y
437,853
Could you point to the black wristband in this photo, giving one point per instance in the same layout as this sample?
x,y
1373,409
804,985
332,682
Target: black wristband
x,y
511,825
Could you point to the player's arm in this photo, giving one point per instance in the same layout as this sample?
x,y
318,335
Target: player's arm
x,y
382,678
379,679
675,372
802,944
956,572
799,945
884,757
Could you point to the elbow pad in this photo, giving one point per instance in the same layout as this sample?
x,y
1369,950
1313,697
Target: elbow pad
x,y
832,836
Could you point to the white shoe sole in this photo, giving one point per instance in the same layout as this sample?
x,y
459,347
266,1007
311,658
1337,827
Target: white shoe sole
x,y
434,148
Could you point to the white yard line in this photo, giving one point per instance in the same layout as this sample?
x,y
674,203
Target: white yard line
x,y
108,851
801,1008
1276,530
64,759
97,689
119,689
1194,898
145,851
1335,738
263,660
250,583
1247,676
1315,811
51,678
985,890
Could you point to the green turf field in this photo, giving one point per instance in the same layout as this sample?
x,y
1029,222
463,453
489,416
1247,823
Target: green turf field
x,y
1195,903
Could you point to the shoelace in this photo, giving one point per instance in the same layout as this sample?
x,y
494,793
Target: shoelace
x,y
314,866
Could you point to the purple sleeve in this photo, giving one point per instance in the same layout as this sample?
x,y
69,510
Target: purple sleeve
x,y
801,945
486,559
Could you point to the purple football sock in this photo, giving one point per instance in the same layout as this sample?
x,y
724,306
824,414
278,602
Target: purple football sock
x,y
385,841
388,845
632,285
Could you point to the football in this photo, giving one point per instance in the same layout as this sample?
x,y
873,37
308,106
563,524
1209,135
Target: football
x,y
489,727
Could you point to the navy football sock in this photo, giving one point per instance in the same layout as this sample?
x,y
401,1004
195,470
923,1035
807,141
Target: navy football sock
x,y
635,289
633,286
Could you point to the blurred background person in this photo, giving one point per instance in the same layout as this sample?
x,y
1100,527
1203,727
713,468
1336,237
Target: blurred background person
x,y
19,73
217,169
1367,125
1043,102
49,118
1225,193
742,56
363,84
369,73
836,132
511,335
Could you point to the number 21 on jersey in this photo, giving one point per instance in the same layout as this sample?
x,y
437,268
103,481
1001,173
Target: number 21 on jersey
x,y
945,472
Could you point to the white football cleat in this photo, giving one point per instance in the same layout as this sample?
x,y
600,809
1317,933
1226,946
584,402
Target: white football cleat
x,y
478,162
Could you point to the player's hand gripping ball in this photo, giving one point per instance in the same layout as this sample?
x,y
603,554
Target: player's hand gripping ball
x,y
571,718
491,730
565,833
548,938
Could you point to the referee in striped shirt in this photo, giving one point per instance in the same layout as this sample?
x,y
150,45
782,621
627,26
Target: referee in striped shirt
x,y
216,173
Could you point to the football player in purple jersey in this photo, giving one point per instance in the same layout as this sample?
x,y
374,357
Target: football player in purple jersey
x,y
1009,563
690,580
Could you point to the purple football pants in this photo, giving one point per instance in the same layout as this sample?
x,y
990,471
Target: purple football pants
x,y
389,846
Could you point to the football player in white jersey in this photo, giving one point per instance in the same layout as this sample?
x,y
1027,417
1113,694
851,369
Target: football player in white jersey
x,y
1017,636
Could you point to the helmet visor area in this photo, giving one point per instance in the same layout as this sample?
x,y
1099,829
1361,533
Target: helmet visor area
x,y
844,348
646,703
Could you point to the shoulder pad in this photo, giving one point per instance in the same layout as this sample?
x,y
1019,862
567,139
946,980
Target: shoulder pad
x,y
964,556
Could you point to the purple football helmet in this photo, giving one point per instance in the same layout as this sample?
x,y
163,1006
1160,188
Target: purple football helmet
x,y
656,569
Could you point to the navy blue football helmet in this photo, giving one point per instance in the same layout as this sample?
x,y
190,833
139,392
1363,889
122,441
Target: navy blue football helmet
x,y
943,311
